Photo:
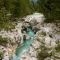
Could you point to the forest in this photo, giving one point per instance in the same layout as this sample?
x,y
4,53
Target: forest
x,y
10,9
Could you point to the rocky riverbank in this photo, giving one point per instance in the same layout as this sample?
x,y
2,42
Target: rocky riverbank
x,y
47,37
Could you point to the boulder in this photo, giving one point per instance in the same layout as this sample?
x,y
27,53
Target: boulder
x,y
39,17
35,29
33,22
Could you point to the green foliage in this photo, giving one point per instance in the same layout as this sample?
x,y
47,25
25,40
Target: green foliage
x,y
7,25
4,15
16,11
51,9
43,53
3,41
58,47
20,8
16,8
5,20
43,33
25,7
1,55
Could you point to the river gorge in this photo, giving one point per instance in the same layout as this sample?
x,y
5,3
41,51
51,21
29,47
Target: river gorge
x,y
33,36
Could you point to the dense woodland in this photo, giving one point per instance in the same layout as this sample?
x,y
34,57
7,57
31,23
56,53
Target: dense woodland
x,y
18,8
10,10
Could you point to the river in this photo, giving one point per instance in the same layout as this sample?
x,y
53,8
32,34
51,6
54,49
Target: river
x,y
20,50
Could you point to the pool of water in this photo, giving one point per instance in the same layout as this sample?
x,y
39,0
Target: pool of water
x,y
25,46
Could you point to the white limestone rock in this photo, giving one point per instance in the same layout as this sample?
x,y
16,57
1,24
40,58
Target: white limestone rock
x,y
39,17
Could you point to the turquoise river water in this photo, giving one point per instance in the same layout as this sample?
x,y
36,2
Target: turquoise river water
x,y
25,46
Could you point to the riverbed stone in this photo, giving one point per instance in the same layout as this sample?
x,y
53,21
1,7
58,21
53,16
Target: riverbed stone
x,y
42,37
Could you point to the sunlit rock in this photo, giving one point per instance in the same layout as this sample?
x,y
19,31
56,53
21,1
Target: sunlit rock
x,y
39,17
33,22
45,37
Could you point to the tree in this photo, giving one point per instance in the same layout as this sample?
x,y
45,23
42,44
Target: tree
x,y
51,9
22,8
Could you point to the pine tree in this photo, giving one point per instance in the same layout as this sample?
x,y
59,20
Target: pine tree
x,y
16,10
50,8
